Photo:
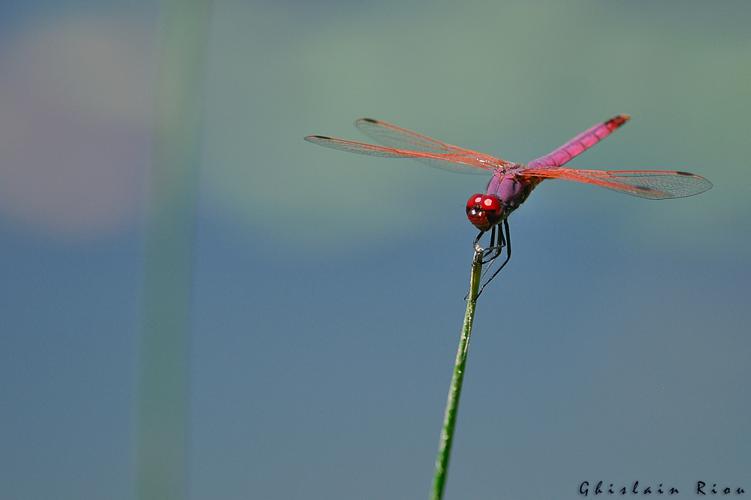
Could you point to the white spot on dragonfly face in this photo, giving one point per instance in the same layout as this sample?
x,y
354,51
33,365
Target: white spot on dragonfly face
x,y
488,202
478,199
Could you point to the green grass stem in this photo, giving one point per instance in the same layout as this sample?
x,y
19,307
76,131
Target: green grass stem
x,y
455,389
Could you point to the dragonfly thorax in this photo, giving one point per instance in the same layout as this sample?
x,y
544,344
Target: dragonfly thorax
x,y
484,210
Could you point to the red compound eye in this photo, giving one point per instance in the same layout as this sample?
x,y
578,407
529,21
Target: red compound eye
x,y
491,203
484,210
475,201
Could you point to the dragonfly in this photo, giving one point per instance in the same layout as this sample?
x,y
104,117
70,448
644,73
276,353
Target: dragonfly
x,y
511,183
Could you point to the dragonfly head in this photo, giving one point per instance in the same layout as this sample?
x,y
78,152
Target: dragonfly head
x,y
484,210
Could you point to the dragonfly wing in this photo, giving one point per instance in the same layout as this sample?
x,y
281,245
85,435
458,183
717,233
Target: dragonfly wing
x,y
446,161
579,144
651,184
397,137
391,135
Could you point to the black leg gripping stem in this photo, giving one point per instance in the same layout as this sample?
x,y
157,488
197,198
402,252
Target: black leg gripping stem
x,y
504,240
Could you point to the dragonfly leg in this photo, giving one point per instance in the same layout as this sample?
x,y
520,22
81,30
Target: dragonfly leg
x,y
493,251
485,251
507,240
476,243
501,240
497,244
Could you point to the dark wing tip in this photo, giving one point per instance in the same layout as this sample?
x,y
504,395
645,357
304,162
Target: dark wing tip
x,y
704,183
312,138
369,120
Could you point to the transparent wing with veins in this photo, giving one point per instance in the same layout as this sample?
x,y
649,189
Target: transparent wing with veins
x,y
402,143
392,136
651,184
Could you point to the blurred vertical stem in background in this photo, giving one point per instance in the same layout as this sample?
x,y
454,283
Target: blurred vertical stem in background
x,y
163,371
455,388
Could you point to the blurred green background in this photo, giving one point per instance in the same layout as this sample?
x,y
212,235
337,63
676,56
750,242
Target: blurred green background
x,y
323,291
